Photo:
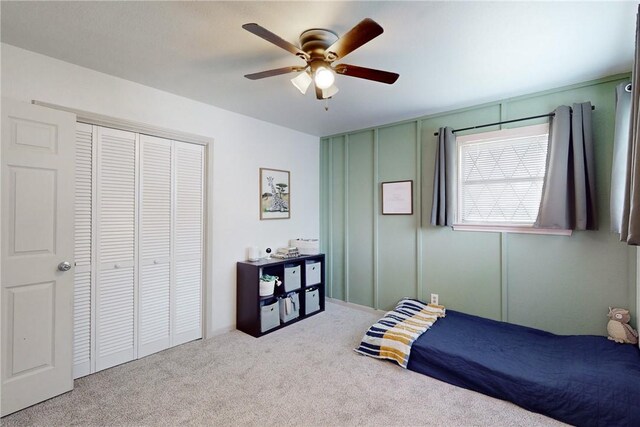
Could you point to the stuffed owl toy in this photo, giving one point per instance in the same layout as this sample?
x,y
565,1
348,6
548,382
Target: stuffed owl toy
x,y
618,329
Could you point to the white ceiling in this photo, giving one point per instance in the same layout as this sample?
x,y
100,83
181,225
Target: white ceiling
x,y
448,54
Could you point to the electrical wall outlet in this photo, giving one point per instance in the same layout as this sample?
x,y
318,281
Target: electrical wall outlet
x,y
434,299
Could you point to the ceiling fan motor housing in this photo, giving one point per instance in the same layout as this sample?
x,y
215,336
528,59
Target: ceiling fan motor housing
x,y
315,42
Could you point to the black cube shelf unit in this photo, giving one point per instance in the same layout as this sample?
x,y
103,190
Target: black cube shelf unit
x,y
250,305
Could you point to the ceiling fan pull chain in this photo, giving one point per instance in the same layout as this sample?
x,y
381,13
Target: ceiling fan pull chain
x,y
326,104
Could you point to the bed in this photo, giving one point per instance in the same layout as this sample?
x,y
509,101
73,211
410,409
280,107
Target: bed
x,y
580,380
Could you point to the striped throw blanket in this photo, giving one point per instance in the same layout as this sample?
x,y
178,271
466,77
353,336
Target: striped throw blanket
x,y
392,336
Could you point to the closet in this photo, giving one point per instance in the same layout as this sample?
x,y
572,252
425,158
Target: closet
x,y
138,246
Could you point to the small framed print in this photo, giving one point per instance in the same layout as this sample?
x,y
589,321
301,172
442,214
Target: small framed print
x,y
275,194
397,198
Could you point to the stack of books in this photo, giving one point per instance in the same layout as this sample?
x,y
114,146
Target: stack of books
x,y
286,253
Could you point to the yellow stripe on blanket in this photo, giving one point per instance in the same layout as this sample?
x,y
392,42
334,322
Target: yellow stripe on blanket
x,y
393,354
392,336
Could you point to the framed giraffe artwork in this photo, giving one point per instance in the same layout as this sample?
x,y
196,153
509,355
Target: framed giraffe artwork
x,y
275,194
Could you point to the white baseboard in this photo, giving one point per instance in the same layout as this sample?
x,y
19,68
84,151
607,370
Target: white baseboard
x,y
354,306
220,331
227,329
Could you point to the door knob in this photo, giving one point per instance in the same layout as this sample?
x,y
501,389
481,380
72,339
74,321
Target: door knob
x,y
64,266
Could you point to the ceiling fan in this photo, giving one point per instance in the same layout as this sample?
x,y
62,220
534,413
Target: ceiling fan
x,y
319,48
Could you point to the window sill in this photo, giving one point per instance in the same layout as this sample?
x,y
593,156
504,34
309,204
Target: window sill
x,y
512,229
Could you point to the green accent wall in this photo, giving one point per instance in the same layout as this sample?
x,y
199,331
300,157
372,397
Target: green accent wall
x,y
556,283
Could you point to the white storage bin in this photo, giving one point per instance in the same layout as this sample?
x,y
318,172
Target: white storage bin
x,y
313,273
312,301
269,317
291,278
289,307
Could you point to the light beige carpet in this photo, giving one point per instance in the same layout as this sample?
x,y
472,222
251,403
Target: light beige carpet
x,y
305,374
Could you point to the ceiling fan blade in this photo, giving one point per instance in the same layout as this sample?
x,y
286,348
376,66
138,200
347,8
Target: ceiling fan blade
x,y
365,31
366,73
274,72
277,40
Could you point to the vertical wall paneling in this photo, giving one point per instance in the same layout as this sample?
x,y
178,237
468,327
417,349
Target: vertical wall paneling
x,y
503,113
504,241
376,215
504,277
418,208
461,267
587,271
548,282
328,202
154,245
115,285
326,207
360,218
82,251
188,246
337,232
346,219
324,212
397,233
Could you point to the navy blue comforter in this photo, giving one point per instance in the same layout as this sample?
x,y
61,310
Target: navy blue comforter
x,y
581,380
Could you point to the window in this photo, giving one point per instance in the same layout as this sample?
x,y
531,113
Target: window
x,y
500,177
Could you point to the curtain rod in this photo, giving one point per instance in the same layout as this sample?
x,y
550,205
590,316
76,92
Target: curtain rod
x,y
508,121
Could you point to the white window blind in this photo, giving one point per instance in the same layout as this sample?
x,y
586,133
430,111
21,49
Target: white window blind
x,y
500,176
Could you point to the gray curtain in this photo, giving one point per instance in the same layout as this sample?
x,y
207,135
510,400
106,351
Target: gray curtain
x,y
630,226
568,192
444,180
619,171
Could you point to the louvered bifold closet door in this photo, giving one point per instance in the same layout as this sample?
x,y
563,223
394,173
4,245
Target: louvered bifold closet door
x,y
154,328
82,257
116,230
188,242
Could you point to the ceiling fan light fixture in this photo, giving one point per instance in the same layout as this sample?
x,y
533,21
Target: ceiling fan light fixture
x,y
324,78
302,82
330,91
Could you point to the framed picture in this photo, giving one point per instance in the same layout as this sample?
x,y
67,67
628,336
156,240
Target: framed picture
x,y
275,194
397,198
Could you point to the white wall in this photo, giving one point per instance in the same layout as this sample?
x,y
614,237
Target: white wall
x,y
242,145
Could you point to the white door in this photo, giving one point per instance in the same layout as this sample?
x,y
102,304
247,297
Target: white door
x,y
37,235
82,314
116,249
155,245
188,242
139,246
